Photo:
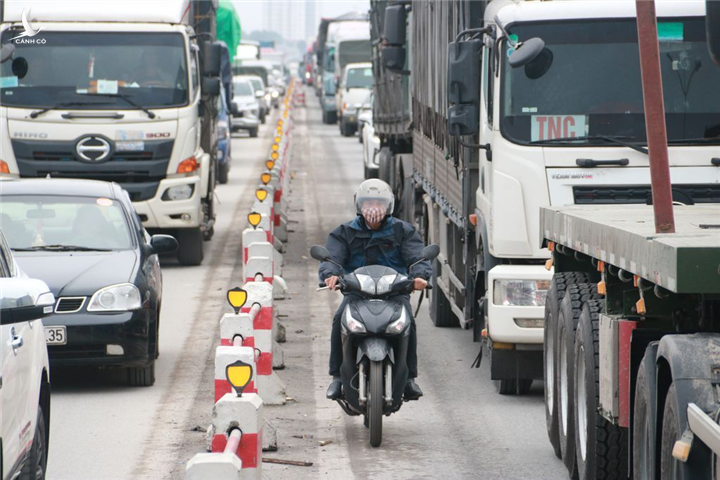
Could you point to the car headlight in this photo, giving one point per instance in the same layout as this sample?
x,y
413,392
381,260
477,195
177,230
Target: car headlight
x,y
353,325
275,94
116,298
267,97
376,139
179,192
385,284
367,284
520,293
223,131
398,325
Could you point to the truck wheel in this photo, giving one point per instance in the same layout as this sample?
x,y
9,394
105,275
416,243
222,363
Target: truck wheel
x,y
332,118
141,376
601,446
190,251
555,295
386,165
36,463
440,312
253,132
345,129
669,468
644,431
513,386
376,403
570,309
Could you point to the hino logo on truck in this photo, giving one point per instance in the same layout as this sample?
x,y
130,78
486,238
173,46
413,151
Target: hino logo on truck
x,y
93,148
42,135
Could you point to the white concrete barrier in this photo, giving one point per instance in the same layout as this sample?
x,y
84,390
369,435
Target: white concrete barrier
x,y
245,413
216,466
227,355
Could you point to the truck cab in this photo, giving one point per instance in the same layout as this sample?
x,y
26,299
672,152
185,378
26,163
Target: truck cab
x,y
111,93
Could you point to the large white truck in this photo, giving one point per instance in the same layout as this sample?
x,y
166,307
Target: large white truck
x,y
110,91
487,140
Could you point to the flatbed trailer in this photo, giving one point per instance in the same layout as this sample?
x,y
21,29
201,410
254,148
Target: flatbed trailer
x,y
642,311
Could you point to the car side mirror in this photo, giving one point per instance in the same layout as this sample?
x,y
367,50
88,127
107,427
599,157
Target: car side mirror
x,y
210,86
211,59
395,25
6,52
24,299
464,60
712,26
163,244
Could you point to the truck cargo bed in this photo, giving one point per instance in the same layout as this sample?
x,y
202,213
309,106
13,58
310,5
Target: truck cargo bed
x,y
687,261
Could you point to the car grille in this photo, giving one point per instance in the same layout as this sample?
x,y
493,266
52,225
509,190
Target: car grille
x,y
69,304
641,194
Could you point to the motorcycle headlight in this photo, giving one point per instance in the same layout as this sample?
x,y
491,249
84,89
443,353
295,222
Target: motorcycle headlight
x,y
116,298
399,325
367,285
353,325
385,284
267,97
520,293
178,192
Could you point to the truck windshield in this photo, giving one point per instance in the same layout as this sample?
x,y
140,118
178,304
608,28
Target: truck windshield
x,y
149,68
586,83
359,78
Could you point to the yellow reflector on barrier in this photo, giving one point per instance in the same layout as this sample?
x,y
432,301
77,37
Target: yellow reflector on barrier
x,y
261,194
236,298
270,164
265,178
275,147
277,139
274,155
238,374
254,219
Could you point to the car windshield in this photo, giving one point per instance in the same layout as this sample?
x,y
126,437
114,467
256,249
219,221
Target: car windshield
x,y
586,83
256,83
45,222
359,78
242,88
69,67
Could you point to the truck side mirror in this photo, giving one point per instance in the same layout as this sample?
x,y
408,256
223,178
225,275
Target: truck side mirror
x,y
395,25
211,59
712,25
463,120
210,86
464,59
393,58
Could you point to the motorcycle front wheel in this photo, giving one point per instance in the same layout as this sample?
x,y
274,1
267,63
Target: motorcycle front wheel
x,y
376,402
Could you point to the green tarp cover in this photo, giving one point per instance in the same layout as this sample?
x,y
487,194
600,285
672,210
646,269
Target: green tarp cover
x,y
228,26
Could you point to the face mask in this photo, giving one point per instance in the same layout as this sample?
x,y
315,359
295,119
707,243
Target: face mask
x,y
373,214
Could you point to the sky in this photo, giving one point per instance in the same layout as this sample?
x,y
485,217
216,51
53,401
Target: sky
x,y
251,11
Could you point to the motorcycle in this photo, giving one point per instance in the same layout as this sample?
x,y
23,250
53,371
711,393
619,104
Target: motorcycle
x,y
375,332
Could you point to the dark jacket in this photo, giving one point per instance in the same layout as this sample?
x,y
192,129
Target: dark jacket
x,y
396,245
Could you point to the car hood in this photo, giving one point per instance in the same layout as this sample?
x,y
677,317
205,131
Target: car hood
x,y
78,273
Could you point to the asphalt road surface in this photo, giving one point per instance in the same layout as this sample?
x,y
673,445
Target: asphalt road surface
x,y
461,428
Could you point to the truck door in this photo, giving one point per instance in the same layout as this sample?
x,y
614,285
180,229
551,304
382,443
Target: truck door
x,y
486,130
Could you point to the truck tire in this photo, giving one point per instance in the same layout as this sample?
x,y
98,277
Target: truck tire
x,y
332,118
555,295
602,451
36,464
141,376
376,402
643,427
513,386
670,434
440,312
570,309
223,172
190,251
386,165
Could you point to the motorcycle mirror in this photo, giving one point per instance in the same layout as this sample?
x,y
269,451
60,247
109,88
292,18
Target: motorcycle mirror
x,y
319,253
430,252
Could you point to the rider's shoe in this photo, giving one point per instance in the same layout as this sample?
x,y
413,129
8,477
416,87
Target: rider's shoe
x,y
412,390
334,391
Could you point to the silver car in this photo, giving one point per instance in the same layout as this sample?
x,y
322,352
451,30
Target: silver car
x,y
245,108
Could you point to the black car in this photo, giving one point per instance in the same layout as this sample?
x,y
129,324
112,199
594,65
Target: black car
x,y
84,239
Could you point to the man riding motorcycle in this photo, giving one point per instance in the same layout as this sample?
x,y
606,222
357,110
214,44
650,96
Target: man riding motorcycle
x,y
374,237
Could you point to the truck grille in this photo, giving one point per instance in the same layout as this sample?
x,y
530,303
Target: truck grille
x,y
641,194
68,156
69,304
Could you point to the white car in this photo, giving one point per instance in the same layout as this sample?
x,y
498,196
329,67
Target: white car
x,y
25,370
245,108
371,145
353,90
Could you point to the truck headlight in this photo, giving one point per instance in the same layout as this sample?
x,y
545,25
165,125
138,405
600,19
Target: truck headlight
x,y
179,192
520,293
116,298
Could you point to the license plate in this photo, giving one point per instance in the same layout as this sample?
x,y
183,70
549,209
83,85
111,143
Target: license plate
x,y
55,335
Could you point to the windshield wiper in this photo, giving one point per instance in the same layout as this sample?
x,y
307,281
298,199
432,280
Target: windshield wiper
x,y
128,100
608,138
62,248
37,113
676,141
